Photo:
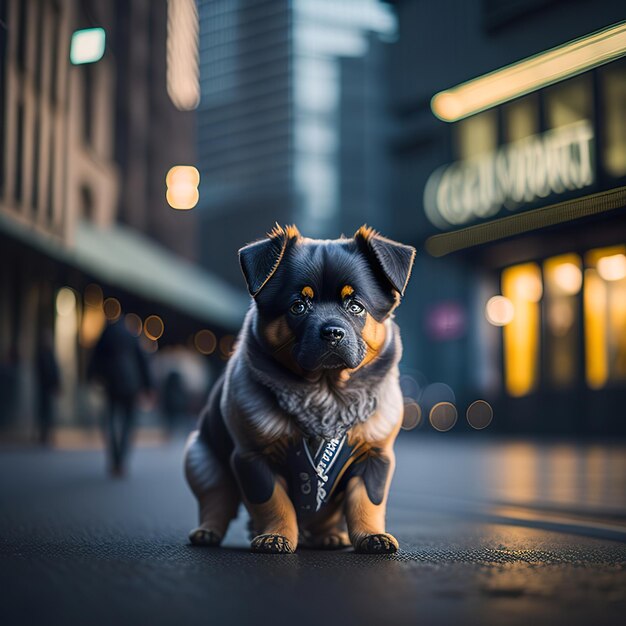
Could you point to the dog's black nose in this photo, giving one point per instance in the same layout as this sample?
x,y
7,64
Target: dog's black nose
x,y
333,334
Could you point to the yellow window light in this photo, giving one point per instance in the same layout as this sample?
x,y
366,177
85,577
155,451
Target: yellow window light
x,y
182,187
563,274
612,267
596,352
183,79
522,285
523,77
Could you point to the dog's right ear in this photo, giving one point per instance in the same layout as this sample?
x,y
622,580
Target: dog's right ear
x,y
259,260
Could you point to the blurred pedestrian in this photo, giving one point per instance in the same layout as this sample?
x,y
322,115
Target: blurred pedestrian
x,y
48,383
174,399
122,366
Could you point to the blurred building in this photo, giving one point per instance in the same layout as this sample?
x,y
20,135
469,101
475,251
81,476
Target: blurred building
x,y
290,120
86,234
513,188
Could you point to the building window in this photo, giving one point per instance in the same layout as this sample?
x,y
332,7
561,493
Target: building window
x,y
54,52
569,102
605,316
22,24
613,81
51,171
88,102
522,285
36,160
521,118
39,56
86,203
19,154
563,279
477,135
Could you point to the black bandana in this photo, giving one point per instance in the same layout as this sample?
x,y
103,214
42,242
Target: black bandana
x,y
314,475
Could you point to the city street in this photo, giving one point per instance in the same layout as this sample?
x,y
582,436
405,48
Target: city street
x,y
491,532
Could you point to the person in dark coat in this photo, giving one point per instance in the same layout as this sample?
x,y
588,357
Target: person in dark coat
x,y
48,383
174,399
122,366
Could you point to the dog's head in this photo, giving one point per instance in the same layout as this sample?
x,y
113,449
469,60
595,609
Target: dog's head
x,y
322,303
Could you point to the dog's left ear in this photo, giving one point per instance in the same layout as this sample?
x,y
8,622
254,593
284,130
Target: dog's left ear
x,y
259,260
393,258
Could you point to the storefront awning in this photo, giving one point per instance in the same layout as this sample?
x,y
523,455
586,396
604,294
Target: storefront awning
x,y
121,256
124,258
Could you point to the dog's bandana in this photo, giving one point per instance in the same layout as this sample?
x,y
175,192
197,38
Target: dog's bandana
x,y
315,475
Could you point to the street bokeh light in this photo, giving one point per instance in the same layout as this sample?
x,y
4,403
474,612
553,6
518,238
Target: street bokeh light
x,y
443,416
479,414
153,327
499,311
612,267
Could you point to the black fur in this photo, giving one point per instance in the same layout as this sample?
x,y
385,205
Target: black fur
x,y
374,469
325,267
299,370
255,477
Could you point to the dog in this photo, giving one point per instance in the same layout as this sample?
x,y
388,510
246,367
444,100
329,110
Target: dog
x,y
301,425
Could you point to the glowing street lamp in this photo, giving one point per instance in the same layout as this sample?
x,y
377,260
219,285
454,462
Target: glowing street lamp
x,y
87,46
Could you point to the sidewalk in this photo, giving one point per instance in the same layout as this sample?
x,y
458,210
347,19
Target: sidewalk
x,y
476,548
83,438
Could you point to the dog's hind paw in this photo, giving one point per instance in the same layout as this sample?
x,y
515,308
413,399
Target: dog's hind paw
x,y
204,537
383,543
332,541
271,544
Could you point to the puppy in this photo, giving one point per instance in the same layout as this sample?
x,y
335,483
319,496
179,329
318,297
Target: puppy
x,y
301,425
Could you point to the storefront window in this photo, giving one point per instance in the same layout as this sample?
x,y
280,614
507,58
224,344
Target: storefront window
x,y
563,281
477,135
521,119
605,316
522,285
569,102
614,86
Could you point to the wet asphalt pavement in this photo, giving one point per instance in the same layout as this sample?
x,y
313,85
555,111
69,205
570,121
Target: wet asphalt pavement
x,y
491,532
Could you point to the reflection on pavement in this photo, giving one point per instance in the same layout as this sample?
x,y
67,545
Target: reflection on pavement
x,y
583,481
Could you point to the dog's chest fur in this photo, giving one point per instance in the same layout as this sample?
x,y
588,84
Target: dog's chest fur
x,y
326,408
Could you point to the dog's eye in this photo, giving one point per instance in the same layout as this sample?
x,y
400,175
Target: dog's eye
x,y
298,307
354,307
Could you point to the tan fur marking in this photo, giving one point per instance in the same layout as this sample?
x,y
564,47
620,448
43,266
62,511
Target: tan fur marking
x,y
366,232
307,292
277,333
289,232
346,291
373,335
276,516
280,338
363,517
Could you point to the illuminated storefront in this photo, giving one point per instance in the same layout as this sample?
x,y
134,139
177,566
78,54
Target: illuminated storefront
x,y
509,177
535,201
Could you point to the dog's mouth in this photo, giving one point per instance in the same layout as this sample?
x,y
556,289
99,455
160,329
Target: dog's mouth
x,y
332,360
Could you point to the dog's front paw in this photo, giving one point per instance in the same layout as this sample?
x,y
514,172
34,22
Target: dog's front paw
x,y
382,543
271,544
204,537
